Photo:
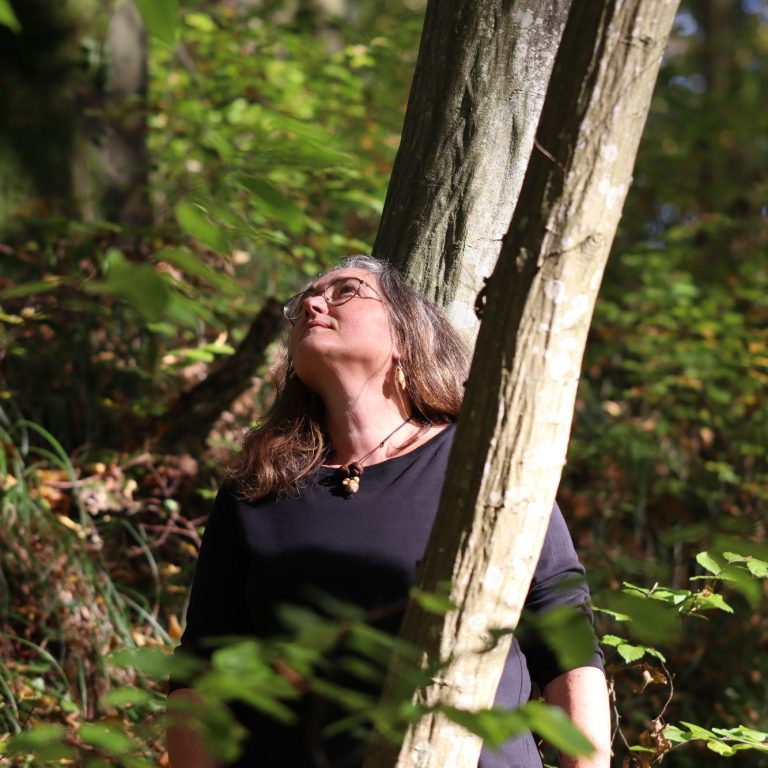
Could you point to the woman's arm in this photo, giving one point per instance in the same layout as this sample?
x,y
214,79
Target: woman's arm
x,y
583,694
186,748
217,608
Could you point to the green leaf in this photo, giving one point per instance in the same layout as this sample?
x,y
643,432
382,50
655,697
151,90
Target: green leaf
x,y
704,601
721,748
567,632
156,663
159,18
709,563
673,733
743,581
8,17
697,732
352,700
494,725
630,653
193,220
106,737
122,697
652,621
555,727
186,311
273,203
758,568
615,615
44,741
194,266
30,289
743,732
432,603
201,21
137,284
758,550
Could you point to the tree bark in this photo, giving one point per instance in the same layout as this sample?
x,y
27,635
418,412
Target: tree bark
x,y
124,154
472,113
77,133
512,436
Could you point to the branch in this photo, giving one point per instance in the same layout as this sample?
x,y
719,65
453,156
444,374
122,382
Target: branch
x,y
191,417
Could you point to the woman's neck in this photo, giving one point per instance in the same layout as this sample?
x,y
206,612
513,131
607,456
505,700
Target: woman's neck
x,y
357,427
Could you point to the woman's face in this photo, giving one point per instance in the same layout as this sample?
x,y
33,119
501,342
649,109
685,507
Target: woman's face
x,y
354,339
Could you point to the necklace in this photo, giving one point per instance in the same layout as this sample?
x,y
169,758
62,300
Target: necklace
x,y
352,472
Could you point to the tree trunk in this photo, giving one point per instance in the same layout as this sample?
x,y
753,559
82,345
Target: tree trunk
x,y
512,436
77,133
472,114
124,154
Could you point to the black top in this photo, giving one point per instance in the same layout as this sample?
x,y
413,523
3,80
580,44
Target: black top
x,y
362,549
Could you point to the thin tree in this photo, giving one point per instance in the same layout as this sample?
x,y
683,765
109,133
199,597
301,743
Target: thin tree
x,y
511,440
473,109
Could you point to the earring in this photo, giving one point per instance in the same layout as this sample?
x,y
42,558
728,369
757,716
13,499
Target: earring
x,y
400,376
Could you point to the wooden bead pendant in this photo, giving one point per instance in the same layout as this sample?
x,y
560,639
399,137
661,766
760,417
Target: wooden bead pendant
x,y
352,474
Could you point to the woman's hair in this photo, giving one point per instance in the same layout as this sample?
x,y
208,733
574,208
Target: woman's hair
x,y
291,441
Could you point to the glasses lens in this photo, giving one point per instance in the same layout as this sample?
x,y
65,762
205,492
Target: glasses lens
x,y
292,308
342,290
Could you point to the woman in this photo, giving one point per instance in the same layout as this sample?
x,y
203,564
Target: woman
x,y
337,490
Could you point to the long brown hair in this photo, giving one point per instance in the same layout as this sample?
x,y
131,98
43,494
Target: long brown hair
x,y
291,441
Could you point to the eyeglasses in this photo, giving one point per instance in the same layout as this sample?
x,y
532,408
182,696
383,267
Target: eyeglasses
x,y
337,292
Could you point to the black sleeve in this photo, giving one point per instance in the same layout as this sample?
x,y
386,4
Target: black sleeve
x,y
559,580
217,601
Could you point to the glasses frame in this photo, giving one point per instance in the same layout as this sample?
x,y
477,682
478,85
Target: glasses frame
x,y
298,299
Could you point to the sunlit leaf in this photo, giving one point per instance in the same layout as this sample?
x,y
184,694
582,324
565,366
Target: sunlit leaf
x,y
698,732
721,748
194,266
8,17
139,285
495,725
555,727
201,21
566,630
673,733
651,620
193,220
157,663
106,737
160,17
630,653
758,568
272,202
709,563
30,289
45,741
121,697
432,603
711,600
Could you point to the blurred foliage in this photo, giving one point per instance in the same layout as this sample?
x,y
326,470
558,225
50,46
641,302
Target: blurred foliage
x,y
270,136
266,167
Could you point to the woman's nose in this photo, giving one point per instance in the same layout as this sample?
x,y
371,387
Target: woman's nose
x,y
316,304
